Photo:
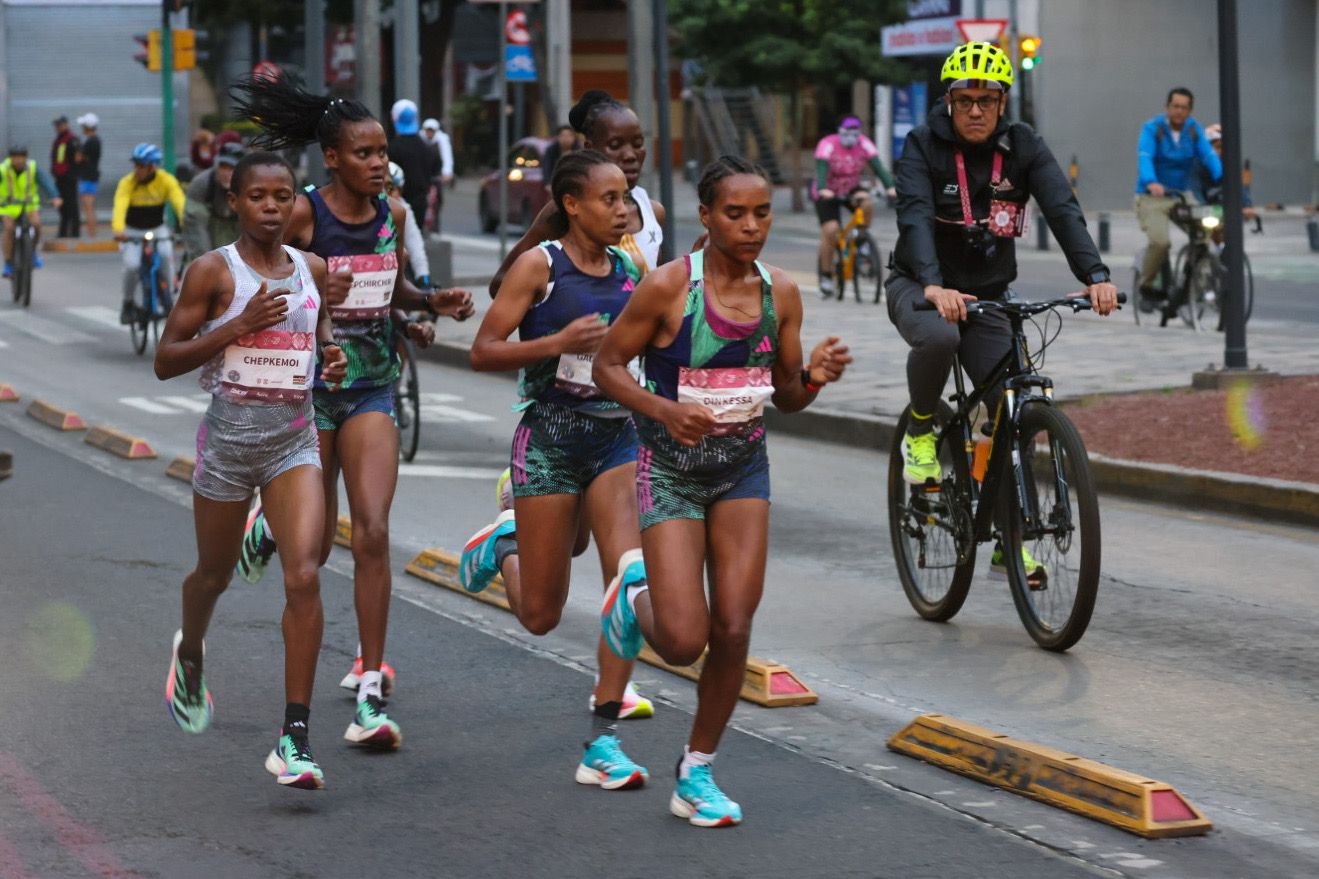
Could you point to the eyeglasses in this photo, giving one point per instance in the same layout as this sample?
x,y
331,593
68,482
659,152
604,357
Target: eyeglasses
x,y
985,103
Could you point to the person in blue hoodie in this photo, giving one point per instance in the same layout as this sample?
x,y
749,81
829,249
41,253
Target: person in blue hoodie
x,y
1171,145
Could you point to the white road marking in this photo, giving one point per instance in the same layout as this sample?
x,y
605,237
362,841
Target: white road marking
x,y
428,398
471,241
46,330
197,403
879,767
982,805
451,413
441,471
100,314
148,405
3,344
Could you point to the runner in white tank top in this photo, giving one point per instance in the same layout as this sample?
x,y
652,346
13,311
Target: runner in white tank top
x,y
251,316
644,244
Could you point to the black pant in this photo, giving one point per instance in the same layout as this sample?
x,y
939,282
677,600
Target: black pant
x,y
67,186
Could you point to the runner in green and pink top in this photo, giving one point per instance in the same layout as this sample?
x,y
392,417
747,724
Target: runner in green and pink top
x,y
720,336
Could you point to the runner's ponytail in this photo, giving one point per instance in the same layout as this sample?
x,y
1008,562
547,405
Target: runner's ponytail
x,y
570,176
290,117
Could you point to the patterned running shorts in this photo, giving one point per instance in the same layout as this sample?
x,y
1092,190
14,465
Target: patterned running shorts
x,y
242,447
557,450
664,492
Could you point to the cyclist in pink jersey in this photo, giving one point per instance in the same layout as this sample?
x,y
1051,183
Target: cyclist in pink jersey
x,y
840,160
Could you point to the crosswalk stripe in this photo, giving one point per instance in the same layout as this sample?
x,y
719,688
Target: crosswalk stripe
x,y
426,398
452,413
198,403
3,344
147,405
46,330
442,471
100,314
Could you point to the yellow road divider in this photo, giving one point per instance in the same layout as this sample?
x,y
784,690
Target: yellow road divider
x,y
765,683
79,245
343,532
54,416
1131,802
116,442
8,394
181,468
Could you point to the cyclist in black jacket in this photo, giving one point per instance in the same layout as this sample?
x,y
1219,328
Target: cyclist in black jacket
x,y
963,182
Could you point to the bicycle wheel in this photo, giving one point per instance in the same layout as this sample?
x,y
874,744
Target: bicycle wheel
x,y
840,273
1064,539
407,402
1202,290
1136,299
867,269
932,533
19,266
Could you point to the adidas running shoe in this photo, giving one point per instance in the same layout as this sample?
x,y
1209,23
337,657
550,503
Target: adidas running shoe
x,y
504,490
605,764
186,696
292,764
617,619
635,705
1037,573
698,799
258,548
920,459
353,679
372,728
478,567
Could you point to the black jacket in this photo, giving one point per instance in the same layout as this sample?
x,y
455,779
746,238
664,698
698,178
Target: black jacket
x,y
420,163
932,251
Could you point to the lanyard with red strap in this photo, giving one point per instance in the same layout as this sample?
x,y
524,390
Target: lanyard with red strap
x,y
995,174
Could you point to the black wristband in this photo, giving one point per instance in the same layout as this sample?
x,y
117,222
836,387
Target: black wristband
x,y
807,383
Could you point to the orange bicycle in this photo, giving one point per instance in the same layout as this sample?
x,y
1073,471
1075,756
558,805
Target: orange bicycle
x,y
856,255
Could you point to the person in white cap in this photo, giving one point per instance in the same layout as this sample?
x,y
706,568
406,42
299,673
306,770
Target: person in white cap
x,y
418,159
88,169
439,139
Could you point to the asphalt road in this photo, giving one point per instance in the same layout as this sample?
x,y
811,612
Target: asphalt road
x,y
1198,670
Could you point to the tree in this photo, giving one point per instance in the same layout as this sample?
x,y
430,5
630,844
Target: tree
x,y
785,46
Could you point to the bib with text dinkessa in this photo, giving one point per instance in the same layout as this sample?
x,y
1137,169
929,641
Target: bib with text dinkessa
x,y
272,366
372,287
735,395
574,375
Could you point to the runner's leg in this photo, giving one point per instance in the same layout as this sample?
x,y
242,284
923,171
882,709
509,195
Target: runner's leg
x,y
611,508
218,538
672,612
547,532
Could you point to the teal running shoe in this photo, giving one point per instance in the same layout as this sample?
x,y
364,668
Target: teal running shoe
x,y
186,696
920,459
605,764
1037,573
698,799
618,620
292,764
372,728
258,548
478,567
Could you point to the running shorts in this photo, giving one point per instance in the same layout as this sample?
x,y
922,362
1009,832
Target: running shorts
x,y
557,450
241,447
333,408
664,492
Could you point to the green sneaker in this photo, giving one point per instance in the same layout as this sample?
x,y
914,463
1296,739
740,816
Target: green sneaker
x,y
1037,575
258,548
292,764
920,456
186,696
372,727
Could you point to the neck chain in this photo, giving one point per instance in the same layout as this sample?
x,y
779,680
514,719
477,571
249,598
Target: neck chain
x,y
715,290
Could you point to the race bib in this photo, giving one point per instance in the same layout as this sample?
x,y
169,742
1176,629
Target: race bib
x,y
373,285
735,395
272,366
574,375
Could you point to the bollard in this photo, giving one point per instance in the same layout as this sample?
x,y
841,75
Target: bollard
x,y
1041,232
1312,229
1104,242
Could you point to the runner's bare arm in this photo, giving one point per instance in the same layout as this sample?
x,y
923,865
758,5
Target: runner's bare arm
x,y
541,230
334,362
525,285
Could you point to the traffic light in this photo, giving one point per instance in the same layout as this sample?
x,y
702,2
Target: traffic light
x,y
1029,51
185,49
149,57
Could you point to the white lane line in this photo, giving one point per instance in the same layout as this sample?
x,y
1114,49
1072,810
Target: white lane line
x,y
46,330
471,241
441,471
147,405
3,344
428,397
98,314
452,413
197,403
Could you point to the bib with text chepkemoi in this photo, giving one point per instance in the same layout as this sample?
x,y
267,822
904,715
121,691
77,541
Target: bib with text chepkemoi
x,y
272,366
574,375
736,396
372,288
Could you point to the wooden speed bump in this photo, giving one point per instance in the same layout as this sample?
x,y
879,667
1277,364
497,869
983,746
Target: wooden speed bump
x,y
1128,801
343,532
116,442
181,468
765,683
54,416
8,394
6,465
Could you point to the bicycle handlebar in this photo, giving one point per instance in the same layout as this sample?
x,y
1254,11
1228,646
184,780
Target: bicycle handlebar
x,y
1016,306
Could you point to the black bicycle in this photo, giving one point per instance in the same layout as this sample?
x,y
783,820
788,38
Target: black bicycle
x,y
407,399
24,261
1037,499
154,279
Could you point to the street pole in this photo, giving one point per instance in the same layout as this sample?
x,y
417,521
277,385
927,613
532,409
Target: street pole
x,y
407,50
1014,94
503,131
366,18
660,20
641,73
313,42
167,86
1234,315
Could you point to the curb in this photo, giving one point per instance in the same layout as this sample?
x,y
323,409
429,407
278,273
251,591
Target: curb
x,y
53,416
8,394
116,442
79,245
1278,500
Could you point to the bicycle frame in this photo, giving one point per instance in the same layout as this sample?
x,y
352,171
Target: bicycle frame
x,y
843,242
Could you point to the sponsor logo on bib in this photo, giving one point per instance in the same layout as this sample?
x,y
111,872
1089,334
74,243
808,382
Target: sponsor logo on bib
x,y
372,289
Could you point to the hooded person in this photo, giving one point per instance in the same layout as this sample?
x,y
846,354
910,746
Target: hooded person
x,y
419,160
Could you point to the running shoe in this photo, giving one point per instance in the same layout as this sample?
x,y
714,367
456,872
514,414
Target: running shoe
x,y
186,696
605,764
292,764
504,490
698,799
258,548
478,567
128,312
827,287
920,456
1037,574
353,679
617,619
372,728
635,705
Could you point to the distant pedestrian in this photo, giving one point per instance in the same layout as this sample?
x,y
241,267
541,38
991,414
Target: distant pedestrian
x,y
89,169
432,133
204,149
209,221
63,154
419,160
565,141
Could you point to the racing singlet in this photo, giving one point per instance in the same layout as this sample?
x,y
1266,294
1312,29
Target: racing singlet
x,y
361,323
643,246
723,365
276,364
569,294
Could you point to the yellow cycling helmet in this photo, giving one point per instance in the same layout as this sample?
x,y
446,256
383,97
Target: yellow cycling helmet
x,y
977,61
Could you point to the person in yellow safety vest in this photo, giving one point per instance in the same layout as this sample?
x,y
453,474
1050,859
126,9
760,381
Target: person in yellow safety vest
x,y
139,207
22,184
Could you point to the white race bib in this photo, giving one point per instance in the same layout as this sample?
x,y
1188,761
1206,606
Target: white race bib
x,y
574,374
734,395
372,289
271,366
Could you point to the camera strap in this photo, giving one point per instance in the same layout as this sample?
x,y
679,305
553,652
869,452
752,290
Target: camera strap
x,y
995,174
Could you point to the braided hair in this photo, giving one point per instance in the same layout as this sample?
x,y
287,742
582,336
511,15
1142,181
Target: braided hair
x,y
587,112
723,167
257,159
291,117
571,174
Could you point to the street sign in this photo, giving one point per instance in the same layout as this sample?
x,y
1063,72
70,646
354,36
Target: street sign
x,y
982,30
515,28
926,36
519,66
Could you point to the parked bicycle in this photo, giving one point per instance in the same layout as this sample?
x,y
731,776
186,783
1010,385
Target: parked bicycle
x,y
1195,283
856,255
155,284
407,399
1027,486
24,261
